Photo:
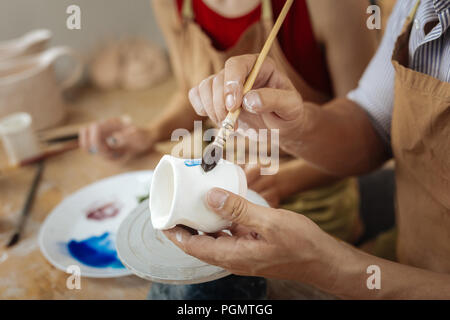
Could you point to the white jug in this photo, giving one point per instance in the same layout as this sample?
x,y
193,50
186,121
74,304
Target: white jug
x,y
30,43
28,84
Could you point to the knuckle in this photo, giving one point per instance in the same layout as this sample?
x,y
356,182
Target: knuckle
x,y
270,62
132,130
236,61
188,249
270,222
193,92
93,127
240,62
203,84
82,133
266,227
230,62
187,245
105,122
195,100
217,81
239,210
221,257
249,58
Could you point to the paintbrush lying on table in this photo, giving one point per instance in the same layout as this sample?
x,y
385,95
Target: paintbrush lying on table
x,y
214,151
27,205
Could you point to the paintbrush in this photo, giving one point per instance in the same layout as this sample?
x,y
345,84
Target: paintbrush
x,y
63,138
214,152
27,206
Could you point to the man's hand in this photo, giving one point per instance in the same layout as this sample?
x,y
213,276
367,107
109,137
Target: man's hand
x,y
338,137
275,243
265,242
274,103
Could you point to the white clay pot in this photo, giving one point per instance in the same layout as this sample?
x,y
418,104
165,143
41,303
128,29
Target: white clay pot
x,y
178,190
28,84
19,139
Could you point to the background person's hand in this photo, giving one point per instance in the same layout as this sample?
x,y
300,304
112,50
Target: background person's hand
x,y
293,176
265,242
274,103
266,185
115,139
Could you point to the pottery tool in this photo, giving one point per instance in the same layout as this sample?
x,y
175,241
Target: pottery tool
x,y
27,206
214,151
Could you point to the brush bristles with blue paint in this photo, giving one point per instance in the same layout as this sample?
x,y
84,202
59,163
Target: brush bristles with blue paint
x,y
214,151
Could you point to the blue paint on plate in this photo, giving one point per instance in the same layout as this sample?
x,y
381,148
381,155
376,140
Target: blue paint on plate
x,y
96,251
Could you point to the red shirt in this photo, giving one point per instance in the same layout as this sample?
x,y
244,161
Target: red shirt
x,y
296,37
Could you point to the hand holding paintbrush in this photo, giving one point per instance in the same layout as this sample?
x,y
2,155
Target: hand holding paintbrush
x,y
116,139
214,151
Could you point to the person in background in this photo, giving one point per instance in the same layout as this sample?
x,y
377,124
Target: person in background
x,y
323,47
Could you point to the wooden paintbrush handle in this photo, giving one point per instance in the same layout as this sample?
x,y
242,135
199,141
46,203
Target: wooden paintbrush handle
x,y
232,116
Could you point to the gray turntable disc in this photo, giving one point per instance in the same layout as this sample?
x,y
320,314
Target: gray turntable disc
x,y
150,255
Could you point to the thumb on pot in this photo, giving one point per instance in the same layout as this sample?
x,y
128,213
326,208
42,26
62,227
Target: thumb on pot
x,y
239,210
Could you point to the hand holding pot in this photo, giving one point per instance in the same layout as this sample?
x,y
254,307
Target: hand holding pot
x,y
265,242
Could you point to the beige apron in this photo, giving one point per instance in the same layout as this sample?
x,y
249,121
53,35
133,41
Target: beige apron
x,y
194,58
421,146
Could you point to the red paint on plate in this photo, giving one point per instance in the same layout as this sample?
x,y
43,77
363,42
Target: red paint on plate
x,y
106,211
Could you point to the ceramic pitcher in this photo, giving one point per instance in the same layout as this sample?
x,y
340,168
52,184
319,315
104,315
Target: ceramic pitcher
x,y
178,190
30,43
28,84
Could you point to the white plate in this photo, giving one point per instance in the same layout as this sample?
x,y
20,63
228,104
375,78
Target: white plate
x,y
67,229
150,255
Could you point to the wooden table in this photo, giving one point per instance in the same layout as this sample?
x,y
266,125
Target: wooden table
x,y
24,272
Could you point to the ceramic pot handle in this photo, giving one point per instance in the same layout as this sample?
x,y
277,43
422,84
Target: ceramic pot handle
x,y
51,55
34,37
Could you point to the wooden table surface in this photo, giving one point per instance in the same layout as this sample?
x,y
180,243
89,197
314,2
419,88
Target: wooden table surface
x,y
24,272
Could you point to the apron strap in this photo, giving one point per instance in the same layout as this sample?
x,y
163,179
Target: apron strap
x,y
187,11
266,10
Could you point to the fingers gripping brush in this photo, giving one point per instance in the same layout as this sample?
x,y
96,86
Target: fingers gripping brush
x,y
214,152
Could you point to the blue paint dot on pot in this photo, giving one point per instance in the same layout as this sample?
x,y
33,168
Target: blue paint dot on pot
x,y
95,251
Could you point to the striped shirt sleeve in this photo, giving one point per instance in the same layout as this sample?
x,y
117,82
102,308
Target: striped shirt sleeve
x,y
375,91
